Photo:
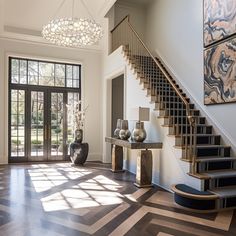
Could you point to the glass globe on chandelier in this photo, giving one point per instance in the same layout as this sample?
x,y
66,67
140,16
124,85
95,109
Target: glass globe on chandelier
x,y
72,31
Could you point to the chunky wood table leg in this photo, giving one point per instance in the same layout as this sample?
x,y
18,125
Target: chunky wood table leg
x,y
117,159
144,169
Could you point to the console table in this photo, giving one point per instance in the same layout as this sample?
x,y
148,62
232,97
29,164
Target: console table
x,y
144,159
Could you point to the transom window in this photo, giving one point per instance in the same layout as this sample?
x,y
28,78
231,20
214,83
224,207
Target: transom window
x,y
34,72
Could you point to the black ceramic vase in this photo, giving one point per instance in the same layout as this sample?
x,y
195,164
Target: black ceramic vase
x,y
79,153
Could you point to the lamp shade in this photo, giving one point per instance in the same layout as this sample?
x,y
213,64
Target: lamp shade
x,y
139,113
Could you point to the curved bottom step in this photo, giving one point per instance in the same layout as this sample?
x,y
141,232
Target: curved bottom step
x,y
193,199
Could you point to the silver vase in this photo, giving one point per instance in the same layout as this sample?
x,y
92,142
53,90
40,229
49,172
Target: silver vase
x,y
124,133
118,127
139,134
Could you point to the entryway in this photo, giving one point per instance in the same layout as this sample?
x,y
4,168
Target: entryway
x,y
40,123
117,108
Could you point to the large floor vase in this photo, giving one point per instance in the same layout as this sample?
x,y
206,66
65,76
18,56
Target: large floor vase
x,y
79,153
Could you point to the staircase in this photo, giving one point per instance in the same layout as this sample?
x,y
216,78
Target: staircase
x,y
209,160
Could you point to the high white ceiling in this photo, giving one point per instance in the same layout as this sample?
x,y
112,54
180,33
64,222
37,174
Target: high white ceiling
x,y
24,19
33,14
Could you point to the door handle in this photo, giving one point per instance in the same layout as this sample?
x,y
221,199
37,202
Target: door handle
x,y
49,132
46,132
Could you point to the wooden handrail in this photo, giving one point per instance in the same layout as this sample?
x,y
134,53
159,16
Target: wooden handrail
x,y
126,17
166,75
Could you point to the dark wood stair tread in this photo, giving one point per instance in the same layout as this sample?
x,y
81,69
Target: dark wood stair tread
x,y
219,174
189,192
199,135
215,159
212,146
159,117
198,176
205,146
190,198
178,109
198,125
224,192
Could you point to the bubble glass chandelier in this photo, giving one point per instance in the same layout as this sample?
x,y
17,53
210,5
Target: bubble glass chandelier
x,y
73,31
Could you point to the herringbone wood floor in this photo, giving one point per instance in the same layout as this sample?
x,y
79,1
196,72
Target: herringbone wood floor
x,y
58,199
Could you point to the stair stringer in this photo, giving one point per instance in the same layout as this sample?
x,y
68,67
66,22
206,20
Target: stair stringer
x,y
168,168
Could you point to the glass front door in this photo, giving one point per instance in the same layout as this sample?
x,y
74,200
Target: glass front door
x,y
41,125
47,127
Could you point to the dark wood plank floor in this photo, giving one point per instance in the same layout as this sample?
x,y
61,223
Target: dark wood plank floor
x,y
58,199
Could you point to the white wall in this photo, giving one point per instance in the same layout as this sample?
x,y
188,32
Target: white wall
x,y
137,14
91,88
114,65
135,97
175,32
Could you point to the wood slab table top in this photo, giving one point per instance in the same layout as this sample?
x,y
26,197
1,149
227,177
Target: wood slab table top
x,y
147,144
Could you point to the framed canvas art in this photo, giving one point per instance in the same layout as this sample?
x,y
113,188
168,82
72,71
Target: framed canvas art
x,y
220,72
219,20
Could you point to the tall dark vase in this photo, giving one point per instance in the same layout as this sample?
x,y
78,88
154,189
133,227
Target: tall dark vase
x,y
78,150
79,153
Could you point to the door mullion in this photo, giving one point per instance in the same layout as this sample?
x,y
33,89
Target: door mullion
x,y
47,120
65,99
28,123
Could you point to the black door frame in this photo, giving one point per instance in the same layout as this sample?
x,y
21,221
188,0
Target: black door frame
x,y
28,88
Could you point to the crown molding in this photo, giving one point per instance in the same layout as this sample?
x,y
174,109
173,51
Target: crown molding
x,y
40,41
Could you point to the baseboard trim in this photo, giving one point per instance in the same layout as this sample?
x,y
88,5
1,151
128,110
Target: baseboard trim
x,y
3,160
94,157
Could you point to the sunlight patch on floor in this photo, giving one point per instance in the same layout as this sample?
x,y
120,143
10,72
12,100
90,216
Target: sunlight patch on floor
x,y
130,197
93,192
44,177
75,198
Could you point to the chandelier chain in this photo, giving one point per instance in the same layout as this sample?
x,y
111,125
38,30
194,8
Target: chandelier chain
x,y
85,6
73,9
58,9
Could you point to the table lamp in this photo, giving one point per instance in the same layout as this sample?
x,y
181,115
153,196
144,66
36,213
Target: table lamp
x,y
139,114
